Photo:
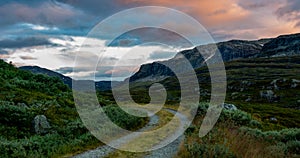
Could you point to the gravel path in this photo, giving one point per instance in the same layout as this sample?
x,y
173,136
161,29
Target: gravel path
x,y
171,149
104,150
168,151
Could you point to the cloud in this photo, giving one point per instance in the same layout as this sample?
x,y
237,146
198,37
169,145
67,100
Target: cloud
x,y
27,57
101,8
60,55
24,42
290,12
153,35
76,17
3,52
161,55
44,12
257,4
231,18
202,10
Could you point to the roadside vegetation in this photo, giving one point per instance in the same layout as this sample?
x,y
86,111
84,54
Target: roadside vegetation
x,y
238,134
24,96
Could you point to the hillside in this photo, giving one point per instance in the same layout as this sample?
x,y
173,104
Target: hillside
x,y
38,70
285,45
39,118
99,85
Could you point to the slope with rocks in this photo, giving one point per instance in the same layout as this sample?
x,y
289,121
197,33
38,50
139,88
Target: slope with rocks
x,y
285,45
229,50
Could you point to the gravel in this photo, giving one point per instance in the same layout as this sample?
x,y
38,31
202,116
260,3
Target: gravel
x,y
168,151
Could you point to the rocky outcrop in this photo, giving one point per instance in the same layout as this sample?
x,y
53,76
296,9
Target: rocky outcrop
x,y
229,50
269,95
285,45
41,124
229,106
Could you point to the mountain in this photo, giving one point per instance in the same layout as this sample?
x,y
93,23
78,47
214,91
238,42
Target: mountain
x,y
100,85
285,45
229,50
38,70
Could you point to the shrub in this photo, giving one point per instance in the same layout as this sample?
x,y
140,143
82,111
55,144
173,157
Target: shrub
x,y
239,117
123,119
205,150
293,147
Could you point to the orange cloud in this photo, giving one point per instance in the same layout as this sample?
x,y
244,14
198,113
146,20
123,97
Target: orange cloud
x,y
206,11
236,18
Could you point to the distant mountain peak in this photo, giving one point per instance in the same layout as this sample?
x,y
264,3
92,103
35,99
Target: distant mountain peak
x,y
284,45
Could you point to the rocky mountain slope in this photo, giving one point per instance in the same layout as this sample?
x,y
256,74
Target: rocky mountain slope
x,y
286,45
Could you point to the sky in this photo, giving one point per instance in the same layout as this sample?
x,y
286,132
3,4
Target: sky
x,y
49,33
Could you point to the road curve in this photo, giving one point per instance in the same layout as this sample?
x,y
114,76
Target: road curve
x,y
168,151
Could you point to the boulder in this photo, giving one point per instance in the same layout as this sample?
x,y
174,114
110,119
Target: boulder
x,y
22,105
294,83
248,99
273,119
41,124
229,106
269,95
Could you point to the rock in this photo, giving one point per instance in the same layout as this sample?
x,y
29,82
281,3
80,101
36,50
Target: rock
x,y
234,95
274,83
229,106
273,119
294,83
269,95
248,99
246,83
22,105
284,45
41,124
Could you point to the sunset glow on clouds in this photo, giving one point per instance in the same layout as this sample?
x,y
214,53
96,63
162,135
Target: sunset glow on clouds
x,y
47,33
242,19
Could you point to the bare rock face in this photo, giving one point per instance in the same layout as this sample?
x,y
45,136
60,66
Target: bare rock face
x,y
285,45
41,124
229,50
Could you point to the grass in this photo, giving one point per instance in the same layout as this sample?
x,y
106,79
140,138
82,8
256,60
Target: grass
x,y
232,137
142,140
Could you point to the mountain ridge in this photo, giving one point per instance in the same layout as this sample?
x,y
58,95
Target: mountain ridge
x,y
283,45
99,85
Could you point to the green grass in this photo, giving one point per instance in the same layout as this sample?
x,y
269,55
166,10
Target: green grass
x,y
24,95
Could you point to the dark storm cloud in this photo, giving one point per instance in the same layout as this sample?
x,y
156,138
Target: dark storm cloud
x,y
150,35
71,17
3,52
24,42
98,7
44,12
